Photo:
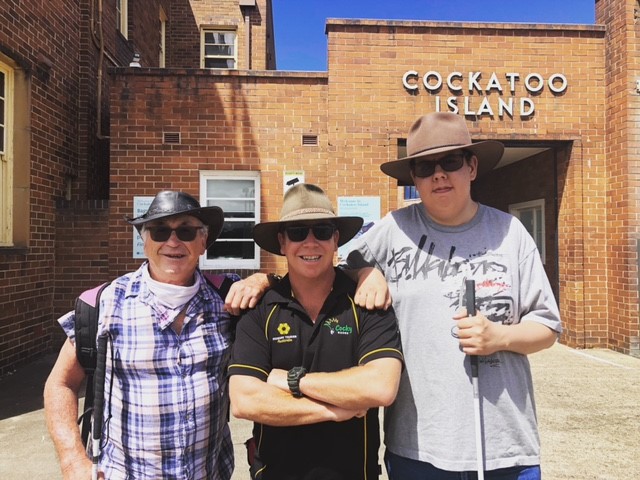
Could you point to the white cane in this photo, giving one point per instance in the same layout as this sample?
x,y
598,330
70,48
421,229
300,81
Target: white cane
x,y
470,294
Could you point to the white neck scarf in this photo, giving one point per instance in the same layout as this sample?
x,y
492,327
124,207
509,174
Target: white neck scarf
x,y
172,296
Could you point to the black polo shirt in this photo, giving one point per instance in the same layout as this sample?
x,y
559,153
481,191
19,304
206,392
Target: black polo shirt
x,y
278,333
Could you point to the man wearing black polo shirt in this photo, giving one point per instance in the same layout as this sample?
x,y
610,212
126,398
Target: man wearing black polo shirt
x,y
310,367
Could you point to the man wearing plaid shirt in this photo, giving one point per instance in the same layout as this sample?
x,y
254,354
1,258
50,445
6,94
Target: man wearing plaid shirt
x,y
166,395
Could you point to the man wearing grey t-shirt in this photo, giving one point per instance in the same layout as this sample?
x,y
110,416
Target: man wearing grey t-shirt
x,y
426,251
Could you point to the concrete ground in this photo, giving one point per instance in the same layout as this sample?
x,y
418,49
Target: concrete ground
x,y
588,410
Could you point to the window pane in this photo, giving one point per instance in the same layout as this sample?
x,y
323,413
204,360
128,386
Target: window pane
x,y
223,38
226,188
539,229
526,217
237,230
219,38
219,63
241,250
237,208
410,193
219,50
119,14
2,112
2,92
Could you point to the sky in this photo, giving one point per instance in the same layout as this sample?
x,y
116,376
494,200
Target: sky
x,y
301,44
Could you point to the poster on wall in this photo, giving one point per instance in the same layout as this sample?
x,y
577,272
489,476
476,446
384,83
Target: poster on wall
x,y
140,207
366,207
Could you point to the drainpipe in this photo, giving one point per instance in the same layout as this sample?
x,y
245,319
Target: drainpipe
x,y
98,39
246,6
247,40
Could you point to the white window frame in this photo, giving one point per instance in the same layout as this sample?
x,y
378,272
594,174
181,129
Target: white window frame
x,y
6,159
231,263
203,55
122,12
537,206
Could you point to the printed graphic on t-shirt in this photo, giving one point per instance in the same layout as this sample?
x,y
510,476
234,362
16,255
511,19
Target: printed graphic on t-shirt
x,y
493,282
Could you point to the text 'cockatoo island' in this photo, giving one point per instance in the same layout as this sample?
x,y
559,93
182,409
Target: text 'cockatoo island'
x,y
474,84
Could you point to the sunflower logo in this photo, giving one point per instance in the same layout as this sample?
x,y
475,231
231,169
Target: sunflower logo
x,y
284,328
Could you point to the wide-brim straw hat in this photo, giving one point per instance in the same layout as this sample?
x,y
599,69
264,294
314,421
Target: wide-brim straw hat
x,y
304,202
167,204
440,132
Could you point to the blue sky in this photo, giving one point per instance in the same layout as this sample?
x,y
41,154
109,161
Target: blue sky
x,y
301,43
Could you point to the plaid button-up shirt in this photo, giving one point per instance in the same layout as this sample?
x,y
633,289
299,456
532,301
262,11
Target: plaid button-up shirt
x,y
167,410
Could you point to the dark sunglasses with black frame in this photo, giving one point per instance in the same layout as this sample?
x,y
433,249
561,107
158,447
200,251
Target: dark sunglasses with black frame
x,y
162,233
448,163
321,231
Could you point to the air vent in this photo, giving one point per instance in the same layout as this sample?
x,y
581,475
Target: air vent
x,y
171,138
310,140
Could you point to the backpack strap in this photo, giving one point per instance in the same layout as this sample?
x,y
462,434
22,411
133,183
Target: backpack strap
x,y
87,312
220,282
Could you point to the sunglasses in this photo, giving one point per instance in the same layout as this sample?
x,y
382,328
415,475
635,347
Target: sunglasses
x,y
322,232
184,233
450,163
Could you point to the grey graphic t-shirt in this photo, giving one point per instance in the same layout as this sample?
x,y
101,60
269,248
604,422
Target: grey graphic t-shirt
x,y
425,265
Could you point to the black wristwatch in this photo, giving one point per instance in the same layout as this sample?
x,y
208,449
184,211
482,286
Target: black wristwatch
x,y
273,279
293,380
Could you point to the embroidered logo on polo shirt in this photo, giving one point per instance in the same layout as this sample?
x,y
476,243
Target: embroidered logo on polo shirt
x,y
284,329
335,328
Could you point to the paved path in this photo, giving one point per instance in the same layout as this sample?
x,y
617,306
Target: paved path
x,y
588,409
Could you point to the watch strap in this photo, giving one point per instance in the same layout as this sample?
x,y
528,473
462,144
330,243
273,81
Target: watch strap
x,y
293,380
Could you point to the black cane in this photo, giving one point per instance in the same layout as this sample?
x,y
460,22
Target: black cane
x,y
98,401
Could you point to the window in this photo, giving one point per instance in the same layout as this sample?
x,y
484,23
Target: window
x,y
238,194
122,24
409,191
163,38
6,155
218,49
531,214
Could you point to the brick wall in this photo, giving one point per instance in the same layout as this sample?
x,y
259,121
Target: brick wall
x,y
61,52
81,252
359,110
622,177
228,120
377,108
255,121
51,84
59,154
186,19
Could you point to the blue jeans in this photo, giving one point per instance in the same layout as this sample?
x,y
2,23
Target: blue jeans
x,y
400,468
